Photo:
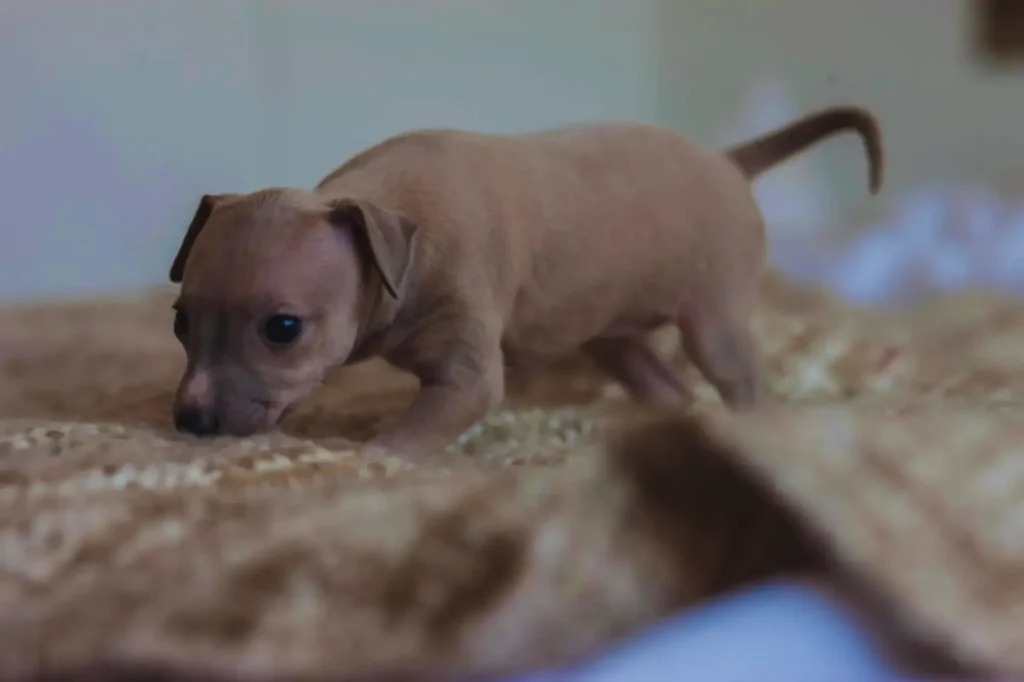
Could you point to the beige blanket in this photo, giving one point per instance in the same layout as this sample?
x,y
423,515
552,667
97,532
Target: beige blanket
x,y
895,459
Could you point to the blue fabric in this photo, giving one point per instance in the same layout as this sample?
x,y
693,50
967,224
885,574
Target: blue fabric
x,y
778,632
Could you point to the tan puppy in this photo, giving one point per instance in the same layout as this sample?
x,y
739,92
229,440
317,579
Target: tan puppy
x,y
458,255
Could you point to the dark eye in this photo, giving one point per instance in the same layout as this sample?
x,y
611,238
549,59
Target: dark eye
x,y
282,330
180,324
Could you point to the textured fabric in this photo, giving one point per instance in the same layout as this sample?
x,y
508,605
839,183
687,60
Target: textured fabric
x,y
556,527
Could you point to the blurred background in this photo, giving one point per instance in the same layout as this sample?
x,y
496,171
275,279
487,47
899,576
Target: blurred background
x,y
115,116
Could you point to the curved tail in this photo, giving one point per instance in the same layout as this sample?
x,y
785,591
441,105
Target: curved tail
x,y
760,154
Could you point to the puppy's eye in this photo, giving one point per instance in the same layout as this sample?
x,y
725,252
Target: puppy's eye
x,y
180,324
282,330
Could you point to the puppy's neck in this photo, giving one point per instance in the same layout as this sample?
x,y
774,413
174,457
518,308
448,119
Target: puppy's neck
x,y
384,322
377,312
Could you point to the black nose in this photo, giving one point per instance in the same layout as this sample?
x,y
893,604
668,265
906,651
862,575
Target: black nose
x,y
196,421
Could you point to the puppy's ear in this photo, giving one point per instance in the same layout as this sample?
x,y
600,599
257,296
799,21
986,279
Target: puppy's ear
x,y
386,236
203,211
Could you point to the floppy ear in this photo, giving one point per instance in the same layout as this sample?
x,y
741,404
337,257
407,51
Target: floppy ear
x,y
203,211
387,236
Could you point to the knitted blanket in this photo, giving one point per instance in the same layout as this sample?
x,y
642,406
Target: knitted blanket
x,y
892,460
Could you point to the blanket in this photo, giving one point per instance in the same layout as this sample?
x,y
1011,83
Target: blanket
x,y
890,460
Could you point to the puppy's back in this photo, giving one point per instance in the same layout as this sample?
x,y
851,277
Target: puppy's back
x,y
607,212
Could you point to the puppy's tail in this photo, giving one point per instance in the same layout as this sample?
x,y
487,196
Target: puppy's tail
x,y
760,154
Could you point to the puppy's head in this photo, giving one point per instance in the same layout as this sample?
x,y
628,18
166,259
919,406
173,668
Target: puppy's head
x,y
277,287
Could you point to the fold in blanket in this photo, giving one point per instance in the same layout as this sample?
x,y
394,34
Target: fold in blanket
x,y
890,468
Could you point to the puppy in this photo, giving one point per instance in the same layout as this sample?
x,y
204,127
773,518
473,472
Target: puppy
x,y
458,255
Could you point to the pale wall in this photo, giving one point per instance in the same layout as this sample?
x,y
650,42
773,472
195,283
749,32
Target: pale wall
x,y
945,116
117,115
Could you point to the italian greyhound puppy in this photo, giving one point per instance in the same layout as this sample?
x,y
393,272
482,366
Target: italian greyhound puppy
x,y
459,255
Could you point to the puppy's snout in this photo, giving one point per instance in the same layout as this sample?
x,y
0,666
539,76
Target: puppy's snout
x,y
196,421
194,412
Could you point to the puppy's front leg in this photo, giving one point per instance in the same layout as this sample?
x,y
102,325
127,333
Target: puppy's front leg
x,y
454,394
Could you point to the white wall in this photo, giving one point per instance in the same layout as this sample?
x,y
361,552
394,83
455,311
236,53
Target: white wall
x,y
116,115
945,116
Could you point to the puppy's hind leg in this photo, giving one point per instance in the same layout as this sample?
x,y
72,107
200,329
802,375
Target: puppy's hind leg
x,y
647,377
722,346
